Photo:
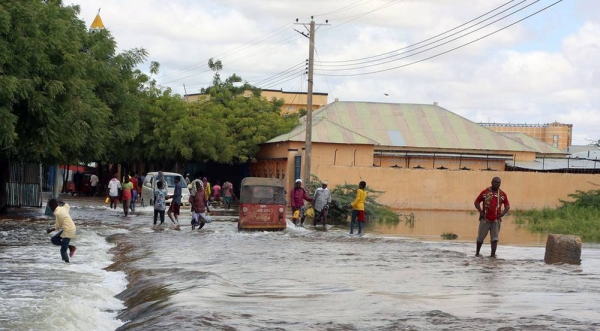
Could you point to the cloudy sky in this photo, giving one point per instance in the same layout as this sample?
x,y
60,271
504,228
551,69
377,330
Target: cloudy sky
x,y
473,57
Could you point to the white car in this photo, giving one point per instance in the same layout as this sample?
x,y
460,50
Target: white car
x,y
149,187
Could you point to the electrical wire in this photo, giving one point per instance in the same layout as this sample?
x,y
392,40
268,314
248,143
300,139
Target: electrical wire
x,y
286,78
246,45
250,43
352,18
423,41
326,81
450,50
431,43
278,44
279,74
352,5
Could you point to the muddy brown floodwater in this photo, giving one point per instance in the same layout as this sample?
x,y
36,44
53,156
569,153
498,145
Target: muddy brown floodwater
x,y
300,279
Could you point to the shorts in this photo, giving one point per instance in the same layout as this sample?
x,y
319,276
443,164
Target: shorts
x,y
217,197
361,216
174,208
492,227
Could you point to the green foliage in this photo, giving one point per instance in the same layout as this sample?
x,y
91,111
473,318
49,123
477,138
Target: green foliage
x,y
580,217
65,96
238,119
343,195
449,235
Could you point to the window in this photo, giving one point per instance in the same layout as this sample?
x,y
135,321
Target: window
x,y
555,140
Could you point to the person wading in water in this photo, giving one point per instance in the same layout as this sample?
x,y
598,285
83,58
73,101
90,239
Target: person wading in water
x,y
490,215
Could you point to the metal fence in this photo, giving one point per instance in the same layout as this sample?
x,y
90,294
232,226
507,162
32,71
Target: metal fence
x,y
24,185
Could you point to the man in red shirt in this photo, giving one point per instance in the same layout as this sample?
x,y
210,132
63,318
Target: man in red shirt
x,y
490,215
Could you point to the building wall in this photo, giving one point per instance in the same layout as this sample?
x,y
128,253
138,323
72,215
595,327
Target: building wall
x,y
457,190
555,134
293,101
451,163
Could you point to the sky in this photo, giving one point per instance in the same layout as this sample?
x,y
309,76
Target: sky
x,y
521,61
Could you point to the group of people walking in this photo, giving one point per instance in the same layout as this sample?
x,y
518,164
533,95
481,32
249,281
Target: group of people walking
x,y
491,203
126,193
320,203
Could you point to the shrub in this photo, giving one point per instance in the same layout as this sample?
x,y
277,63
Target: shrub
x,y
580,217
343,195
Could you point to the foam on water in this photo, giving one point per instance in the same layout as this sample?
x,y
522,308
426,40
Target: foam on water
x,y
41,292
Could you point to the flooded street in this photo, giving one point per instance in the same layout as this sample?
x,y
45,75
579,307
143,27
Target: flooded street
x,y
398,278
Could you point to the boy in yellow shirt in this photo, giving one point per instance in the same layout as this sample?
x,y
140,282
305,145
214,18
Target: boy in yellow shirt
x,y
65,224
358,208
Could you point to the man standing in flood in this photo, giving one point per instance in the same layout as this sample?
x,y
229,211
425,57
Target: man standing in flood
x,y
490,215
322,200
298,195
66,228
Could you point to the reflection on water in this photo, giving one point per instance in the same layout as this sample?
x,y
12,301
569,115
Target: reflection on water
x,y
430,225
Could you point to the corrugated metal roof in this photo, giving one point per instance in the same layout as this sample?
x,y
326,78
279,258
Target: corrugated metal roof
x,y
535,144
399,125
555,164
590,155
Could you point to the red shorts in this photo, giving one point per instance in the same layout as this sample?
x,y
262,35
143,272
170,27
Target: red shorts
x,y
361,216
174,208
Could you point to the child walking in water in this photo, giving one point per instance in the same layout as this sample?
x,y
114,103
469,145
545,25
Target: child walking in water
x,y
160,204
66,228
358,208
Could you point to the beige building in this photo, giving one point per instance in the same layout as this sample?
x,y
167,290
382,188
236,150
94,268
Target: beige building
x,y
293,102
556,134
421,156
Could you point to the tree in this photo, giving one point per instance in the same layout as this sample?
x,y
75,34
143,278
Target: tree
x,y
64,93
243,117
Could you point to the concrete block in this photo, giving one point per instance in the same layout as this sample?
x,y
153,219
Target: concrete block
x,y
563,249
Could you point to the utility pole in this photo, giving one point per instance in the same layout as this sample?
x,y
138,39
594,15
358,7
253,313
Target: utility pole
x,y
309,103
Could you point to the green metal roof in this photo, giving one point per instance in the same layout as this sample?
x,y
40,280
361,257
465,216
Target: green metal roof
x,y
535,144
399,125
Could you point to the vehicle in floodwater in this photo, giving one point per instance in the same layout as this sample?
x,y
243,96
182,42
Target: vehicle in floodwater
x,y
262,204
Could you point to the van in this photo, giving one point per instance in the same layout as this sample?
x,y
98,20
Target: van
x,y
149,186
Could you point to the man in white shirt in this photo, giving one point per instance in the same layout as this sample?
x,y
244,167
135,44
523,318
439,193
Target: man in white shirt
x,y
114,188
94,183
322,199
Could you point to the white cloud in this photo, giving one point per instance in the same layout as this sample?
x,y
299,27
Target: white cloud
x,y
538,71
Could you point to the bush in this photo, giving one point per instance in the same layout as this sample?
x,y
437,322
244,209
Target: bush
x,y
580,217
343,195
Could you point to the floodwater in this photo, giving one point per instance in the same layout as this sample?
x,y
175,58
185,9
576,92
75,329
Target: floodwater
x,y
126,276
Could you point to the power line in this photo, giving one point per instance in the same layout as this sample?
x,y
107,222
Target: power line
x,y
286,78
355,4
246,45
352,18
423,41
249,43
430,48
450,50
278,44
326,81
279,73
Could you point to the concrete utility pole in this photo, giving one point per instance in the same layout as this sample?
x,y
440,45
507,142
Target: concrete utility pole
x,y
309,105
